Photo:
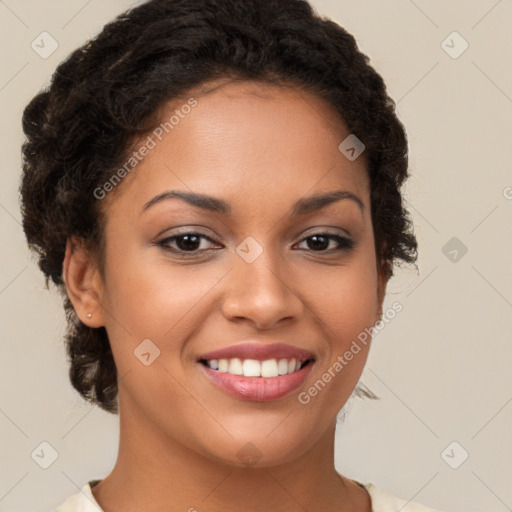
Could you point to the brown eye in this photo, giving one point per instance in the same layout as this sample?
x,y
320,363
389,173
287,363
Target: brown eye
x,y
184,242
320,242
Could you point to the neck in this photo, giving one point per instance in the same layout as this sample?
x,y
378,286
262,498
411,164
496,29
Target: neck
x,y
152,464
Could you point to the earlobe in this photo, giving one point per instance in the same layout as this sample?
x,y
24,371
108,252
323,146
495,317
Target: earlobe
x,y
83,283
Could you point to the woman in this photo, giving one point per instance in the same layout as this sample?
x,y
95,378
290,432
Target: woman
x,y
214,186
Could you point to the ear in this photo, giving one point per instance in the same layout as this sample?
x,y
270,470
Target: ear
x,y
383,275
83,283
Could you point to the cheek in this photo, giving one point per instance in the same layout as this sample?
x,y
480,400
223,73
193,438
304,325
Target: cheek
x,y
345,303
149,297
345,297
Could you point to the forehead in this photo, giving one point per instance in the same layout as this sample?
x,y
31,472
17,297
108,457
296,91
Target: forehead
x,y
251,140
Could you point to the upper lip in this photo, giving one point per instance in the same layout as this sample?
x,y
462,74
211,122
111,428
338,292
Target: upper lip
x,y
259,352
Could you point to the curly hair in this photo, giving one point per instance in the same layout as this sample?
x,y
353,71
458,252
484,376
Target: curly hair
x,y
109,92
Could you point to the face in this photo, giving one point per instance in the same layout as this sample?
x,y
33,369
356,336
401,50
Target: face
x,y
190,280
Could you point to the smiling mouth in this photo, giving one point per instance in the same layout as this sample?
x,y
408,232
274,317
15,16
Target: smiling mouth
x,y
267,368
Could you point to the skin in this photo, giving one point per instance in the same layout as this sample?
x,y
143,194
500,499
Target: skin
x,y
260,148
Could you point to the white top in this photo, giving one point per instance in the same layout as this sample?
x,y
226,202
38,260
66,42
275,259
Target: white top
x,y
382,501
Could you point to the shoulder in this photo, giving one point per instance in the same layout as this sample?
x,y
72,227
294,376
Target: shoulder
x,y
384,501
82,501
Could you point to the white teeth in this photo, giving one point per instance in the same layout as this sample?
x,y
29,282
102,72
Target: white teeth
x,y
235,367
255,368
269,368
252,368
282,367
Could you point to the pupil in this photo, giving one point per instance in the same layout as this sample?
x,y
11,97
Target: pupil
x,y
316,245
188,245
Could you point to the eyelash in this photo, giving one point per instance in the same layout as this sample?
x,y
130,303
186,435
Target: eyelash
x,y
345,244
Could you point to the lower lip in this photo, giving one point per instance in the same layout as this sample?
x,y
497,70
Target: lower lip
x,y
258,389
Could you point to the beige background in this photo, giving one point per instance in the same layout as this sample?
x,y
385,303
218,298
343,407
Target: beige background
x,y
441,367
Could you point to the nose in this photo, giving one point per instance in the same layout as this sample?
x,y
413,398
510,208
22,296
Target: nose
x,y
260,293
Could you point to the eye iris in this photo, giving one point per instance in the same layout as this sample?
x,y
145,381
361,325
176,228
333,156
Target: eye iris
x,y
188,245
318,245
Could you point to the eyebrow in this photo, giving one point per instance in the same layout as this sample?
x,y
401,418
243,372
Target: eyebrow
x,y
216,205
